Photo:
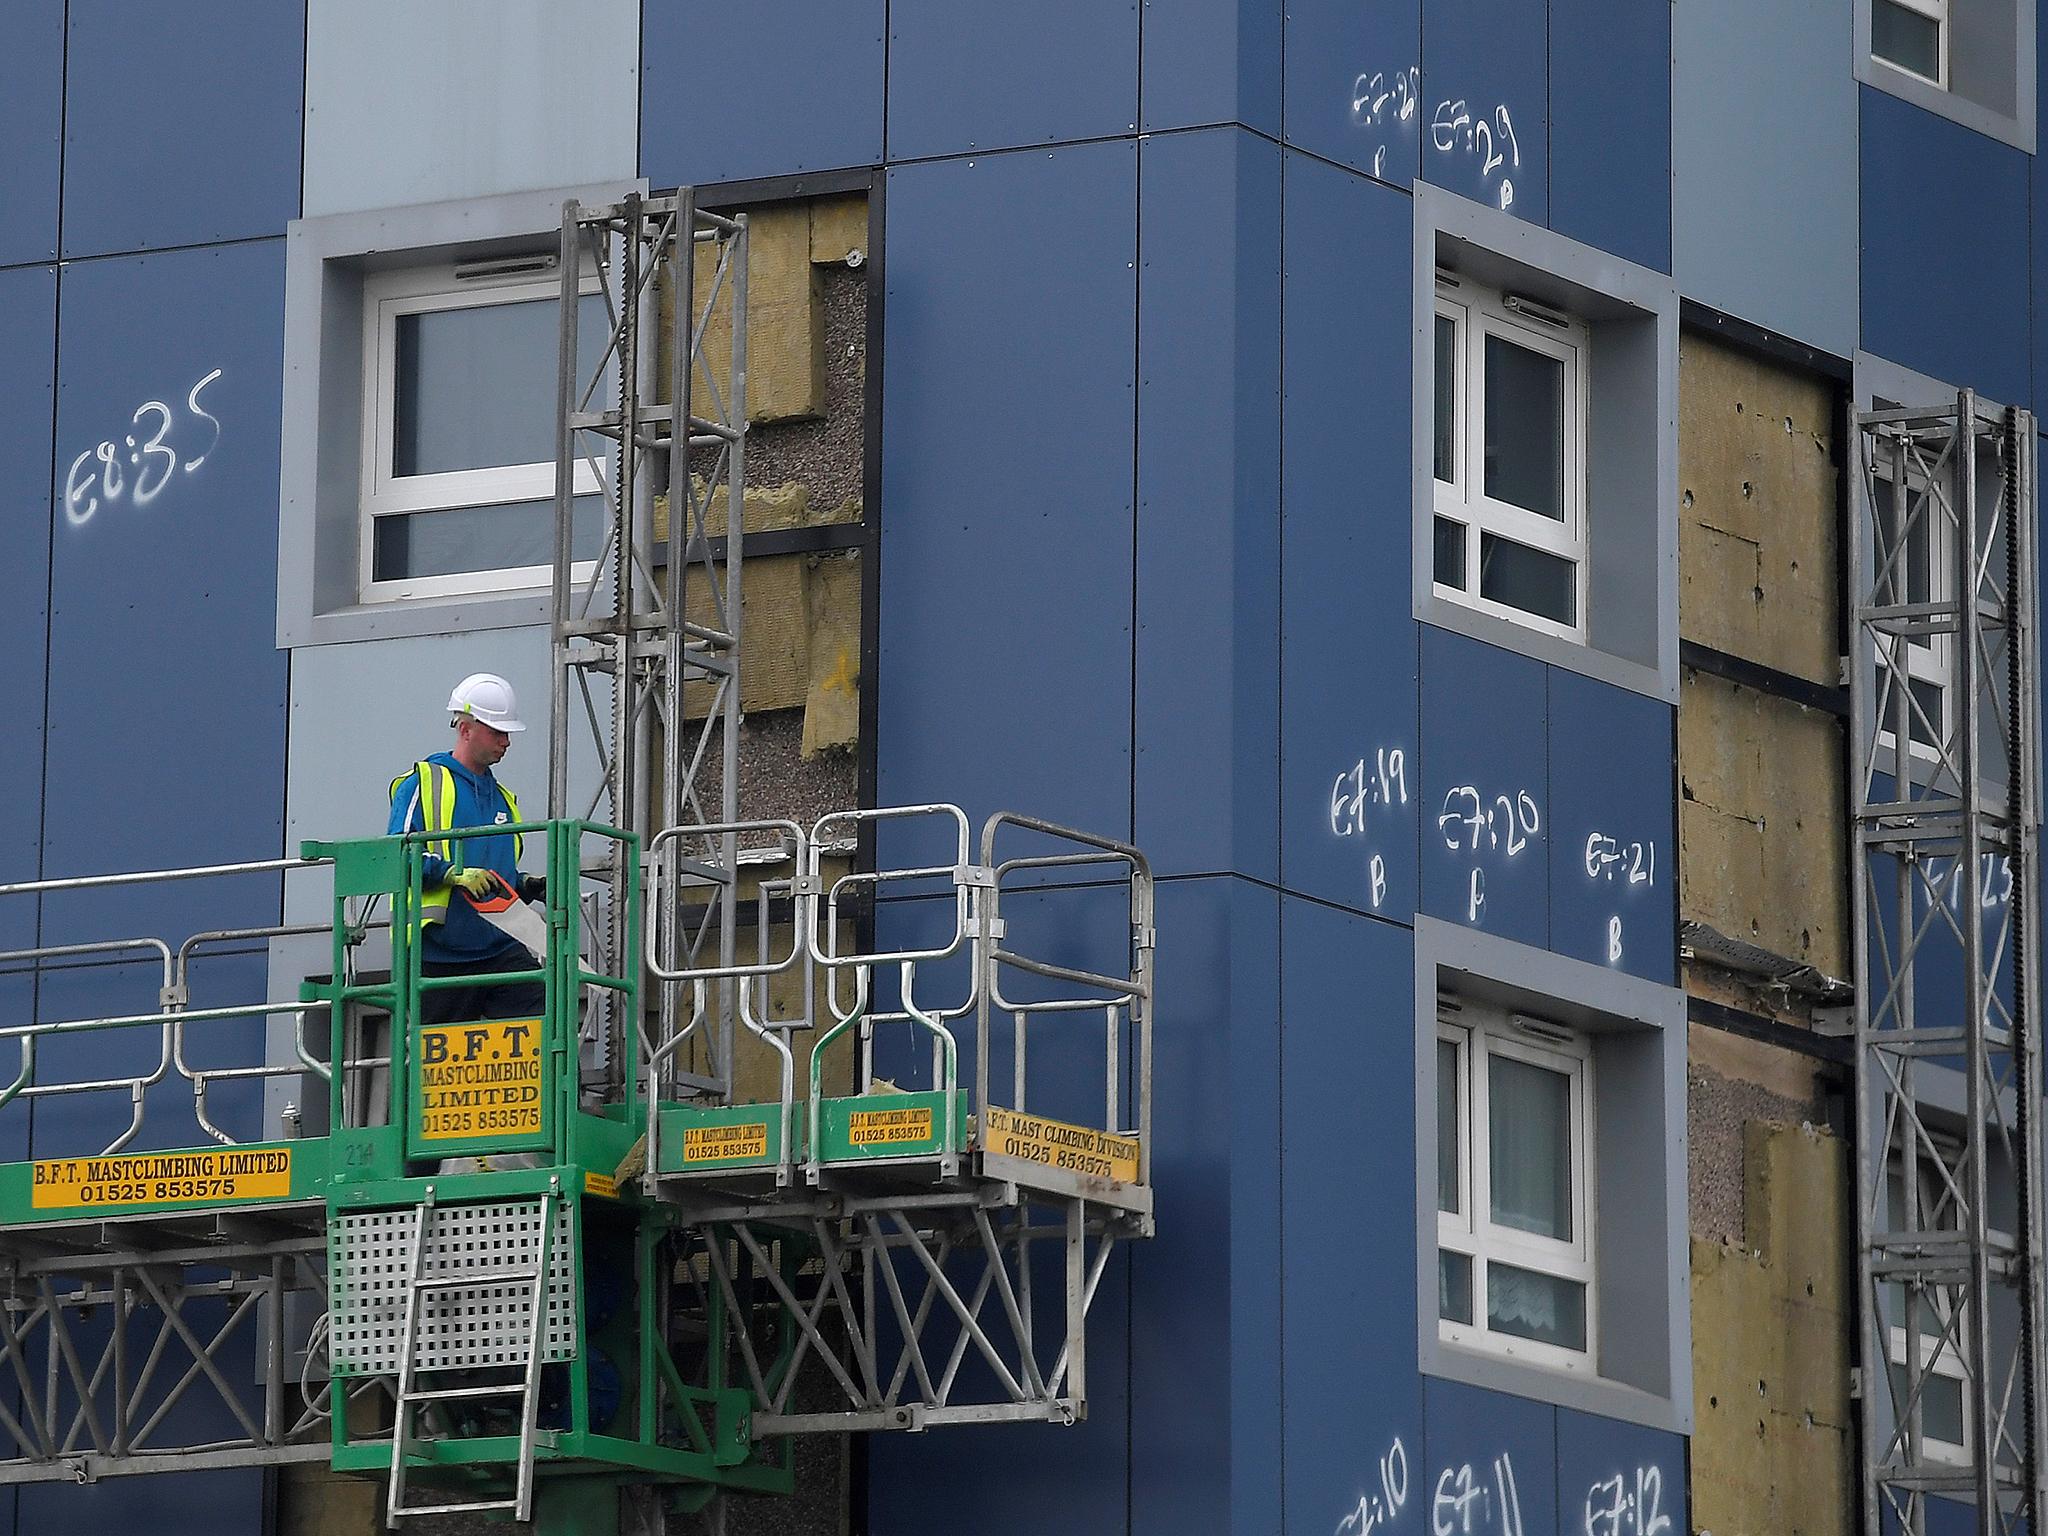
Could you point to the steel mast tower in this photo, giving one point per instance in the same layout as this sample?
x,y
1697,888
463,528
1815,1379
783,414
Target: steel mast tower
x,y
1947,1019
652,406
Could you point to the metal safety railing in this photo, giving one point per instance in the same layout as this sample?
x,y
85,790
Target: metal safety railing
x,y
174,1018
970,893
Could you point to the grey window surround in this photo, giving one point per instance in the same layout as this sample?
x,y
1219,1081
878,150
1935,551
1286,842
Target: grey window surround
x,y
1632,437
1991,70
1637,1029
319,494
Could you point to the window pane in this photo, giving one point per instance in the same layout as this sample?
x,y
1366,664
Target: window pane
x,y
461,539
1450,553
1453,1287
1446,398
1925,723
1529,579
1449,1132
1905,38
1524,428
1529,1152
475,388
1532,1306
1941,1404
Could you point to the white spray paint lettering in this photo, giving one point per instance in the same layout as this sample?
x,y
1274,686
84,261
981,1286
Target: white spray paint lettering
x,y
1627,1504
1481,822
1612,861
1456,126
1378,783
1465,1505
96,478
1476,821
1378,1508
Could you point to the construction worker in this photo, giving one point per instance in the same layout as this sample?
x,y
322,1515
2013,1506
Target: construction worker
x,y
474,920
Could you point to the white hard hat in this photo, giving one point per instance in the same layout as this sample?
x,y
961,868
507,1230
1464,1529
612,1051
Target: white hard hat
x,y
487,697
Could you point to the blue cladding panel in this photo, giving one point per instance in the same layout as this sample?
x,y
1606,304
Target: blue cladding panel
x,y
1018,1478
1487,103
164,608
1617,1479
1610,126
1614,856
1348,646
1205,1367
31,128
1209,504
181,123
173,1504
1777,247
28,317
1212,61
1489,1453
1347,1207
770,89
1354,77
982,75
1007,549
1485,793
1925,177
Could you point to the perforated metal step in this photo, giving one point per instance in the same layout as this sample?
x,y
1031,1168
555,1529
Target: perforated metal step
x,y
462,1326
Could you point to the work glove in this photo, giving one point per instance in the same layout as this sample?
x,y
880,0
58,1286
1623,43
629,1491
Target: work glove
x,y
477,882
533,887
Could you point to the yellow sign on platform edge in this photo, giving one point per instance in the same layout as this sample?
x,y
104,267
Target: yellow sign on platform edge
x,y
481,1079
744,1141
1055,1144
161,1178
885,1127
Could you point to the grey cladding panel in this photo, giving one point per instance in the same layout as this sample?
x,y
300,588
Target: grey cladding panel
x,y
1764,165
414,103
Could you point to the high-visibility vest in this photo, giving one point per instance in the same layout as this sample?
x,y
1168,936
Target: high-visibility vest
x,y
437,814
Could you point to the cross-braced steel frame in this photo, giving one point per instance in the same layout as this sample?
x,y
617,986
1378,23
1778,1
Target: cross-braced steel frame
x,y
918,1311
1945,816
647,634
128,1348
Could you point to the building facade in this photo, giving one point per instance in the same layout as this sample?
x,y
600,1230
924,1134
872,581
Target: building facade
x,y
1388,462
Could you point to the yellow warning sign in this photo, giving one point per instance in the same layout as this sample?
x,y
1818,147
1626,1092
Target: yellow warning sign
x,y
1055,1144
161,1178
481,1079
726,1143
882,1127
600,1184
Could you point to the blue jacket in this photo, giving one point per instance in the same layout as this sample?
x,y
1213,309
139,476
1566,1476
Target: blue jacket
x,y
463,938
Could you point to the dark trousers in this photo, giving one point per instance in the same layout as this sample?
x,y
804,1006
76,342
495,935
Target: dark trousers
x,y
458,1005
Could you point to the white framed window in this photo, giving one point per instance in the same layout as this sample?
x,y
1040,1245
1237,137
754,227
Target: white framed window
x,y
1916,566
1515,1217
1944,1401
1510,417
1913,36
459,430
